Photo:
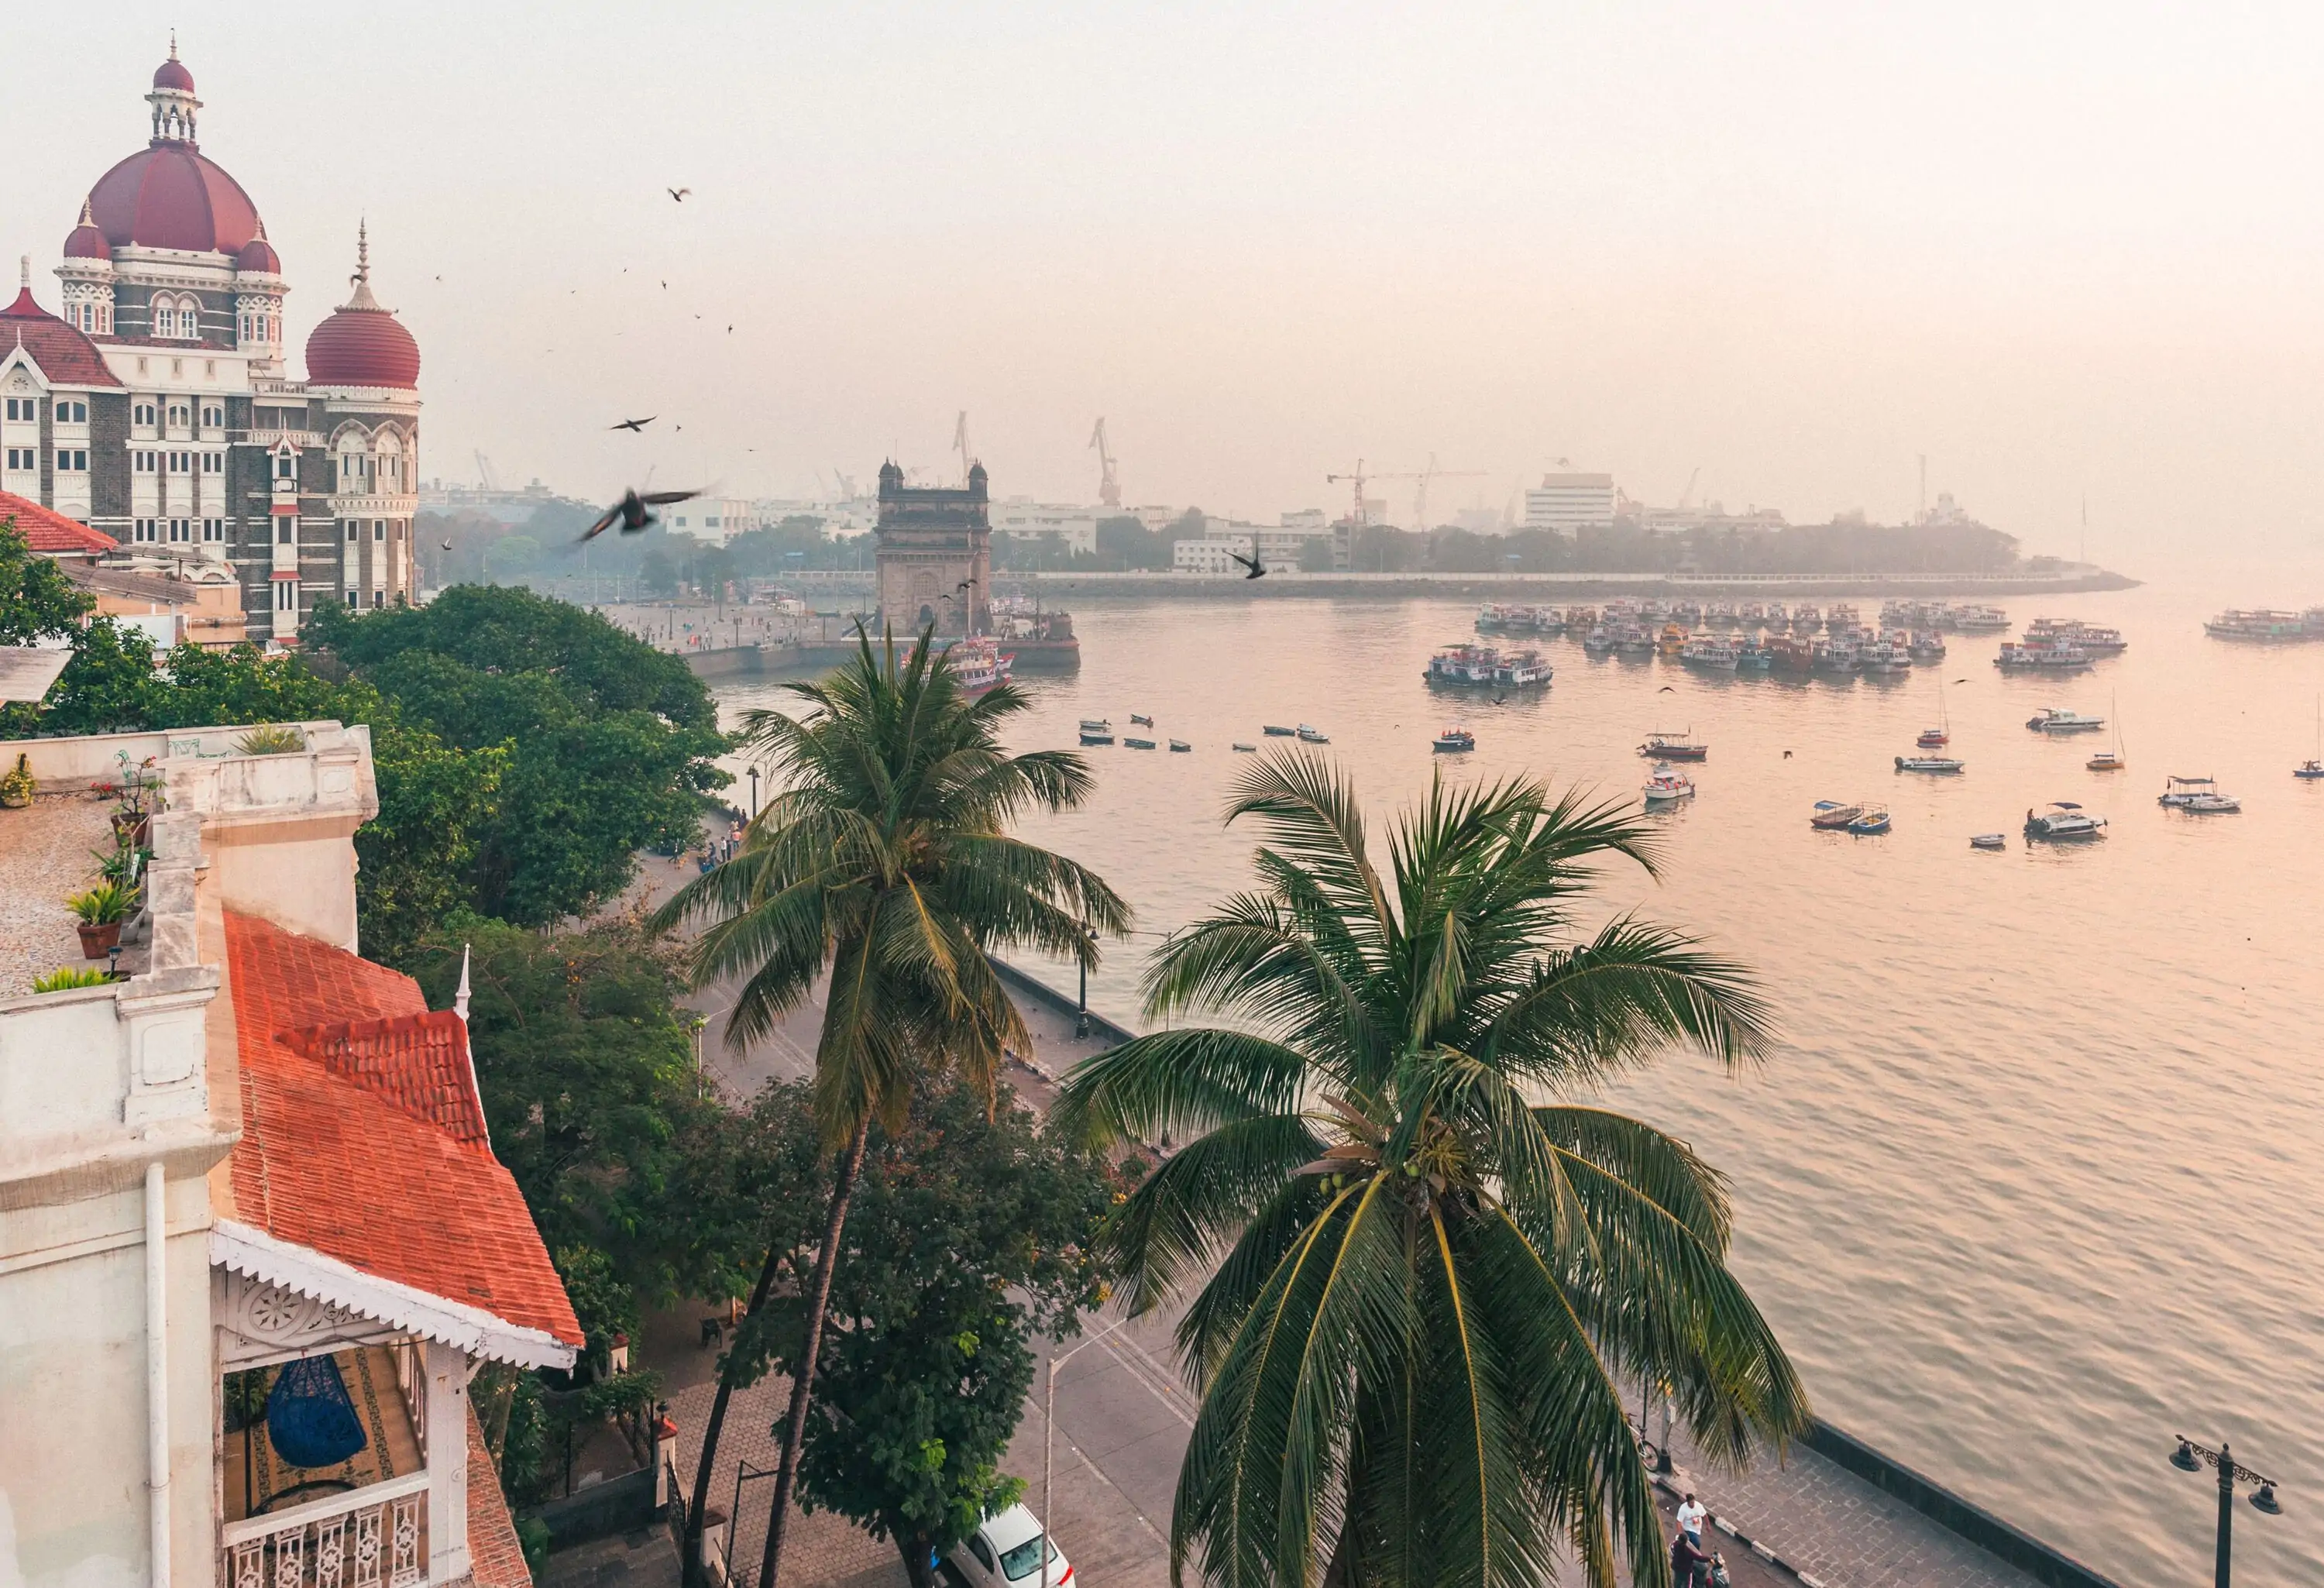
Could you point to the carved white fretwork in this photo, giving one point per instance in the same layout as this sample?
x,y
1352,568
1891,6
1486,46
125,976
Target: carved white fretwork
x,y
261,1323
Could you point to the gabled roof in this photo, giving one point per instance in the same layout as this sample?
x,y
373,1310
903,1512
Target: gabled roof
x,y
362,1141
51,533
66,357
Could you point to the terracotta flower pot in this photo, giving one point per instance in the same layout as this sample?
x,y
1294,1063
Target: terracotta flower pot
x,y
133,832
97,941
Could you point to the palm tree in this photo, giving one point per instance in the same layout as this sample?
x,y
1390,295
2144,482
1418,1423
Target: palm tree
x,y
885,857
1431,1264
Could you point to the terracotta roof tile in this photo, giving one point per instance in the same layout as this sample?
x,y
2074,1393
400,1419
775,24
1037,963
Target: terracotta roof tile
x,y
66,357
51,533
352,1143
495,1554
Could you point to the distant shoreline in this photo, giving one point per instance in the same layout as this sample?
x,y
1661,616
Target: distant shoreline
x,y
1540,586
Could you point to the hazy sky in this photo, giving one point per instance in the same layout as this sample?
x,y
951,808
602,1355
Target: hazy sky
x,y
2061,250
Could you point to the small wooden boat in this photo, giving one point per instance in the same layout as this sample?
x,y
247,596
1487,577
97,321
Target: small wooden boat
x,y
1677,746
1246,749
1870,823
2313,767
1989,841
1138,743
1090,737
1272,732
1179,747
1454,741
1831,816
1142,722
1096,725
1311,734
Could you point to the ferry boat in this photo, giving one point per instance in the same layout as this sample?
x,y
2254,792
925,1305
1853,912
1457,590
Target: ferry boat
x,y
1598,641
1667,785
1634,640
2262,627
1311,734
1928,763
1753,655
2064,822
1884,659
1672,640
1841,619
2090,637
2051,655
1752,615
1777,617
1463,665
1870,823
1719,615
1675,746
1454,742
1835,655
2197,797
1926,645
1980,620
1490,619
1791,653
978,664
1272,732
2051,720
1806,618
1831,816
1718,655
1521,669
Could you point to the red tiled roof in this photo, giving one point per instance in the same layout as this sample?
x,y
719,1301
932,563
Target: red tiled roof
x,y
495,1554
51,533
65,356
169,194
354,1144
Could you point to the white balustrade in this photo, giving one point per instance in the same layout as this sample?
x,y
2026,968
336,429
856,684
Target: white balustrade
x,y
367,1538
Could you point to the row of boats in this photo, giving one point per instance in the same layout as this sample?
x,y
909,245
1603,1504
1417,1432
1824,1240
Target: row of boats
x,y
1098,730
1842,617
2264,627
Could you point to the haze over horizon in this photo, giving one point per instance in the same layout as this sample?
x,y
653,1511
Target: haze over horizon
x,y
2056,254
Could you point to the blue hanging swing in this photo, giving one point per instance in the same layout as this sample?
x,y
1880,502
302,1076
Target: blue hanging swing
x,y
309,1420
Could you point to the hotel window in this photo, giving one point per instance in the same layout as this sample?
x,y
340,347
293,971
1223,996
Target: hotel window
x,y
181,530
213,416
23,458
282,528
354,598
181,414
354,531
73,460
379,529
213,530
145,529
286,467
72,413
144,414
15,409
213,463
182,463
286,594
144,463
165,317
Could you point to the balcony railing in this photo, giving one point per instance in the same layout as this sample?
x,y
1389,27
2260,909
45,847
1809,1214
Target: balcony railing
x,y
376,1536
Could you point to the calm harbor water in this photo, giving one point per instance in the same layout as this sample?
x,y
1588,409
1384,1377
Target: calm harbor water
x,y
2032,1183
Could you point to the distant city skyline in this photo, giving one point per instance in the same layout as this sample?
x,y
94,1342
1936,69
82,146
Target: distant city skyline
x,y
2054,253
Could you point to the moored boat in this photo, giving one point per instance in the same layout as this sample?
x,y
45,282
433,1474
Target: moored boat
x,y
1989,841
1097,737
1980,620
1096,725
1461,666
1140,721
1677,746
1831,816
1246,749
1454,741
1666,785
1180,747
1272,732
1928,763
1521,669
1870,822
2051,720
2197,797
1138,743
2050,655
977,664
1712,654
2064,822
1311,734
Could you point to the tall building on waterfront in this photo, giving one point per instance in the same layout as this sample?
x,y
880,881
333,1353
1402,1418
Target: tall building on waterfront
x,y
157,407
935,555
1566,504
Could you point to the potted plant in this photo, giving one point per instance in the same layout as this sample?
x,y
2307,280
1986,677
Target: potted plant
x,y
65,978
272,738
102,909
121,864
133,824
16,788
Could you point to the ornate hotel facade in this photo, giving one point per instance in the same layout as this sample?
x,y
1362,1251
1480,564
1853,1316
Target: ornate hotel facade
x,y
158,409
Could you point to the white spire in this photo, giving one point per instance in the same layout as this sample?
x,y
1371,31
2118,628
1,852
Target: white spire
x,y
360,297
460,1008
24,269
460,997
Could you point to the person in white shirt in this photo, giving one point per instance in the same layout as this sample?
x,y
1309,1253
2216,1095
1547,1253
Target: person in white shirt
x,y
1690,1513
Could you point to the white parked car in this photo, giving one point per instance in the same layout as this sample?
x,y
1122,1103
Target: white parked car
x,y
1001,1551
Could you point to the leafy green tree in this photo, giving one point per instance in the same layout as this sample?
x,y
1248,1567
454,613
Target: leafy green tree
x,y
970,1233
107,688
657,573
1432,1284
37,602
885,857
1316,555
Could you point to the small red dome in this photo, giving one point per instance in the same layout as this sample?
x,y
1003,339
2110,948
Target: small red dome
x,y
86,242
359,347
169,197
258,258
172,74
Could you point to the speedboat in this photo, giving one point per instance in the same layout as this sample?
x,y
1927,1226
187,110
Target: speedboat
x,y
1667,785
1452,741
2051,720
1989,841
1311,734
1831,816
2309,769
1272,732
2197,797
2064,822
1870,823
1179,747
1676,746
1928,763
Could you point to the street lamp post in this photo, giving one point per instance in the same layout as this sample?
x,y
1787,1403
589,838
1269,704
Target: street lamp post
x,y
1048,1439
2192,1458
1081,1006
754,793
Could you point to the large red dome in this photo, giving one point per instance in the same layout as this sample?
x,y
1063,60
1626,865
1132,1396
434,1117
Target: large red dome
x,y
170,197
363,346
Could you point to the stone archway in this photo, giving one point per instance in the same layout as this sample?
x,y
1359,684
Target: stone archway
x,y
927,615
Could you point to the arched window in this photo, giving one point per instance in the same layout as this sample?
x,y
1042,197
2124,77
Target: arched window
x,y
165,317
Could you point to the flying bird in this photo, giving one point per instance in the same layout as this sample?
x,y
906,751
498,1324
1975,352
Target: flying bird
x,y
1787,755
679,194
632,511
964,584
1664,690
638,425
1257,571
447,545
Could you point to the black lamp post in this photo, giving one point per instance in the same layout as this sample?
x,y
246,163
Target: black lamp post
x,y
754,793
1080,1008
2192,1458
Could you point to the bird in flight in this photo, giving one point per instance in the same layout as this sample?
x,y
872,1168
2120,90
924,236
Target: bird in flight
x,y
964,584
1257,570
1664,690
632,511
636,425
447,545
679,194
1787,755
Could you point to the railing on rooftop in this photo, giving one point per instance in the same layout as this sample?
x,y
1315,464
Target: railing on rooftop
x,y
375,1537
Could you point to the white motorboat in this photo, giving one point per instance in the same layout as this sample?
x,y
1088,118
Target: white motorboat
x,y
1666,785
2064,822
1311,734
2197,797
2051,720
1928,763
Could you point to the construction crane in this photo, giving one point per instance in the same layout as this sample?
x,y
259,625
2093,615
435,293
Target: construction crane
x,y
1420,495
484,473
1687,495
960,442
1109,489
1361,517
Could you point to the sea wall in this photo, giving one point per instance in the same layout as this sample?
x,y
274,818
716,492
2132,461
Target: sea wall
x,y
1061,589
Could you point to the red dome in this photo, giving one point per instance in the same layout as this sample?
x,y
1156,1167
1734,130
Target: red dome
x,y
359,347
87,243
169,197
258,257
172,74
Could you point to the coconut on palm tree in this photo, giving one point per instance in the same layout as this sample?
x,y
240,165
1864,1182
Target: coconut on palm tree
x,y
885,858
1428,1263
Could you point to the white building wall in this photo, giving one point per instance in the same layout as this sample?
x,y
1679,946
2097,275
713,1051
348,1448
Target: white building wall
x,y
1566,504
1209,555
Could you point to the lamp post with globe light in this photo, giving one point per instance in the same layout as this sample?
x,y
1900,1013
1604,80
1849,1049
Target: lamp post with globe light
x,y
2192,1458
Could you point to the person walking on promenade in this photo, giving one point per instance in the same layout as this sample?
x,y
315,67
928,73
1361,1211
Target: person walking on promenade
x,y
1690,1567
